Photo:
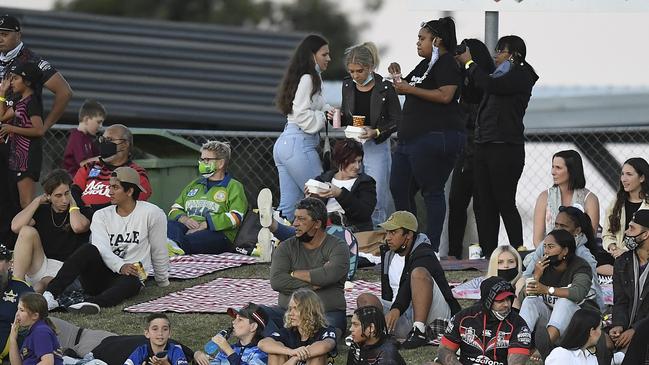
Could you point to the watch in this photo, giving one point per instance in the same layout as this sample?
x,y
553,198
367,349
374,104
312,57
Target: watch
x,y
551,290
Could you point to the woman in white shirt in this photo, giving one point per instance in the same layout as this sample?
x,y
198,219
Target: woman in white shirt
x,y
300,99
579,340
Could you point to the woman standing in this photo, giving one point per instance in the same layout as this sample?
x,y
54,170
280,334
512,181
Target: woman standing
x,y
499,139
366,93
632,195
568,189
300,99
431,134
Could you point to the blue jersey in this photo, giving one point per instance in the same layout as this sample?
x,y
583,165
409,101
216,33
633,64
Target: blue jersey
x,y
142,354
8,307
243,355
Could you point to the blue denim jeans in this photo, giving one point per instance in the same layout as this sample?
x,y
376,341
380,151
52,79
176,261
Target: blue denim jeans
x,y
377,163
297,161
204,241
424,164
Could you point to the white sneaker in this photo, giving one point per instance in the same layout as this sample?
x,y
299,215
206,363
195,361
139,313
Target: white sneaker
x,y
265,206
84,308
265,244
51,302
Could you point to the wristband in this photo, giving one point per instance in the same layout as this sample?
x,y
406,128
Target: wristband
x,y
3,99
468,64
292,274
73,209
378,132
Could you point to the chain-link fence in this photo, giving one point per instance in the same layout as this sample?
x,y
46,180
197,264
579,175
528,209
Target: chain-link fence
x,y
603,150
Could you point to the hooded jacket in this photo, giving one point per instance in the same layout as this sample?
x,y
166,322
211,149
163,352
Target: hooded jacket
x,y
421,255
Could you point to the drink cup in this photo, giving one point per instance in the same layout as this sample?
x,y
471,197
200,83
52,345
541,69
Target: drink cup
x,y
475,252
358,120
527,282
141,273
336,119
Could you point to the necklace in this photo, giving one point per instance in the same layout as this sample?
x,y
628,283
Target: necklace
x,y
65,219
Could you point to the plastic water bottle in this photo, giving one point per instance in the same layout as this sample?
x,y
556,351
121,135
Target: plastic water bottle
x,y
211,348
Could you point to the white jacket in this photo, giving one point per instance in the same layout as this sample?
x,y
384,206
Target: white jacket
x,y
139,237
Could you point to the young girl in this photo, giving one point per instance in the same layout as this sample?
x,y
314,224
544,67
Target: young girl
x,y
371,343
40,345
306,338
22,128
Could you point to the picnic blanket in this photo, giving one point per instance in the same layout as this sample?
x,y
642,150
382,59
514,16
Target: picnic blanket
x,y
471,289
222,293
457,265
193,266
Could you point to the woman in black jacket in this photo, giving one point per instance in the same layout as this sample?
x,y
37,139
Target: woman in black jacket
x,y
351,193
366,93
499,139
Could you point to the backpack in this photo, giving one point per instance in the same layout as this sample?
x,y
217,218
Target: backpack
x,y
246,239
347,236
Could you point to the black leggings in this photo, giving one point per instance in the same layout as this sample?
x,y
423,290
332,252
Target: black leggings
x,y
104,287
498,167
458,200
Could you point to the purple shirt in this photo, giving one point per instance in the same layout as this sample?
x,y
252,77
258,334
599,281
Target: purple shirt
x,y
40,341
80,147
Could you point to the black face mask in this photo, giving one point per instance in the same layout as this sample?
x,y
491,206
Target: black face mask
x,y
554,260
107,149
306,237
508,274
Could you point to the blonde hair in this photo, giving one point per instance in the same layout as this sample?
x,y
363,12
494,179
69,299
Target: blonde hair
x,y
492,270
221,150
365,54
312,316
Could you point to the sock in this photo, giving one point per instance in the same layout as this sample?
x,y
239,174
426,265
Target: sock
x,y
420,326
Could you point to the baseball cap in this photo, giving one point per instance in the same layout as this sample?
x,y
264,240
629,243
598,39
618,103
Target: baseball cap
x,y
400,219
129,175
9,23
641,217
28,71
504,294
251,311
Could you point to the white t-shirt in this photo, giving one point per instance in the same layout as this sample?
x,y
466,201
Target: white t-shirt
x,y
332,203
139,237
561,356
394,273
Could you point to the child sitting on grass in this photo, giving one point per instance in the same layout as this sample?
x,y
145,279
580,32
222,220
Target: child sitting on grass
x,y
371,343
40,345
158,350
247,326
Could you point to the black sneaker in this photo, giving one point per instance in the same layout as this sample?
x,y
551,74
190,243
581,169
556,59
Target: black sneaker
x,y
416,338
69,298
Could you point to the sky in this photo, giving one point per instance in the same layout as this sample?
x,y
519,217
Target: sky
x,y
576,47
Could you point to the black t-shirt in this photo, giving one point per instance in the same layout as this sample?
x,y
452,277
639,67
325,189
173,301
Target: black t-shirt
x,y
383,352
630,209
27,56
421,116
362,101
58,239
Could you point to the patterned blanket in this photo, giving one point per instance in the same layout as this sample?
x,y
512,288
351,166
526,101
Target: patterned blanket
x,y
457,265
193,266
222,293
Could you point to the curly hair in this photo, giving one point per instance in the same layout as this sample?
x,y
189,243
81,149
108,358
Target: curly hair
x,y
311,310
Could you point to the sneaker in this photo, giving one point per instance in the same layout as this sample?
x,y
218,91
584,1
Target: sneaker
x,y
264,204
265,244
415,339
71,297
173,249
84,308
51,302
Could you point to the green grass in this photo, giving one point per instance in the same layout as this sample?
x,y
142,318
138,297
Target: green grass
x,y
195,329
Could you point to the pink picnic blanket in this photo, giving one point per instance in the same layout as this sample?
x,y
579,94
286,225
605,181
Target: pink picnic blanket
x,y
193,266
471,289
222,293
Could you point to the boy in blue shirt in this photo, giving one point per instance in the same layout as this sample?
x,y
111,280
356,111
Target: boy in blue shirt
x,y
158,350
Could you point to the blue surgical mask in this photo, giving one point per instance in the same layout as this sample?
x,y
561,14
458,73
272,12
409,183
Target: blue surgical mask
x,y
502,69
317,66
367,81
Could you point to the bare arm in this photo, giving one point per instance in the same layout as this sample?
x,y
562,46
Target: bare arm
x,y
592,209
273,347
539,218
62,95
517,359
320,348
25,216
78,222
47,359
442,95
446,356
35,131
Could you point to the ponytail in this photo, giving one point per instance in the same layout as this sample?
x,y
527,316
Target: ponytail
x,y
444,28
36,303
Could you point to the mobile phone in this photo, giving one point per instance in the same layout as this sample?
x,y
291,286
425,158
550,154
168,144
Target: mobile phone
x,y
161,354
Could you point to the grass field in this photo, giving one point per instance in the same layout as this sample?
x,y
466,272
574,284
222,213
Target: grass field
x,y
195,329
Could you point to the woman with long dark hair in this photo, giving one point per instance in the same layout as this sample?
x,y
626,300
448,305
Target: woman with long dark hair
x,y
561,285
568,188
499,140
431,133
368,94
300,99
371,343
632,195
462,188
579,341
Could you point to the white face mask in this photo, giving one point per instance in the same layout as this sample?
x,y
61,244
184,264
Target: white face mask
x,y
435,56
369,79
500,315
317,66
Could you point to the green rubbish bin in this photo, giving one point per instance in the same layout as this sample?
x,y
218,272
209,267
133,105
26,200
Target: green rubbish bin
x,y
170,162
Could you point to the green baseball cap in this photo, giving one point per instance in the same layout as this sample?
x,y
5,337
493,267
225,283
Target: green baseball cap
x,y
401,219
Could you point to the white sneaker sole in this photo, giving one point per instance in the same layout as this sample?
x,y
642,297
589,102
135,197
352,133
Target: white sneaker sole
x,y
265,244
84,308
265,206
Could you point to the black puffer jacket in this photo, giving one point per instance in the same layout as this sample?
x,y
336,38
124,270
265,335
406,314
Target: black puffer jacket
x,y
623,293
